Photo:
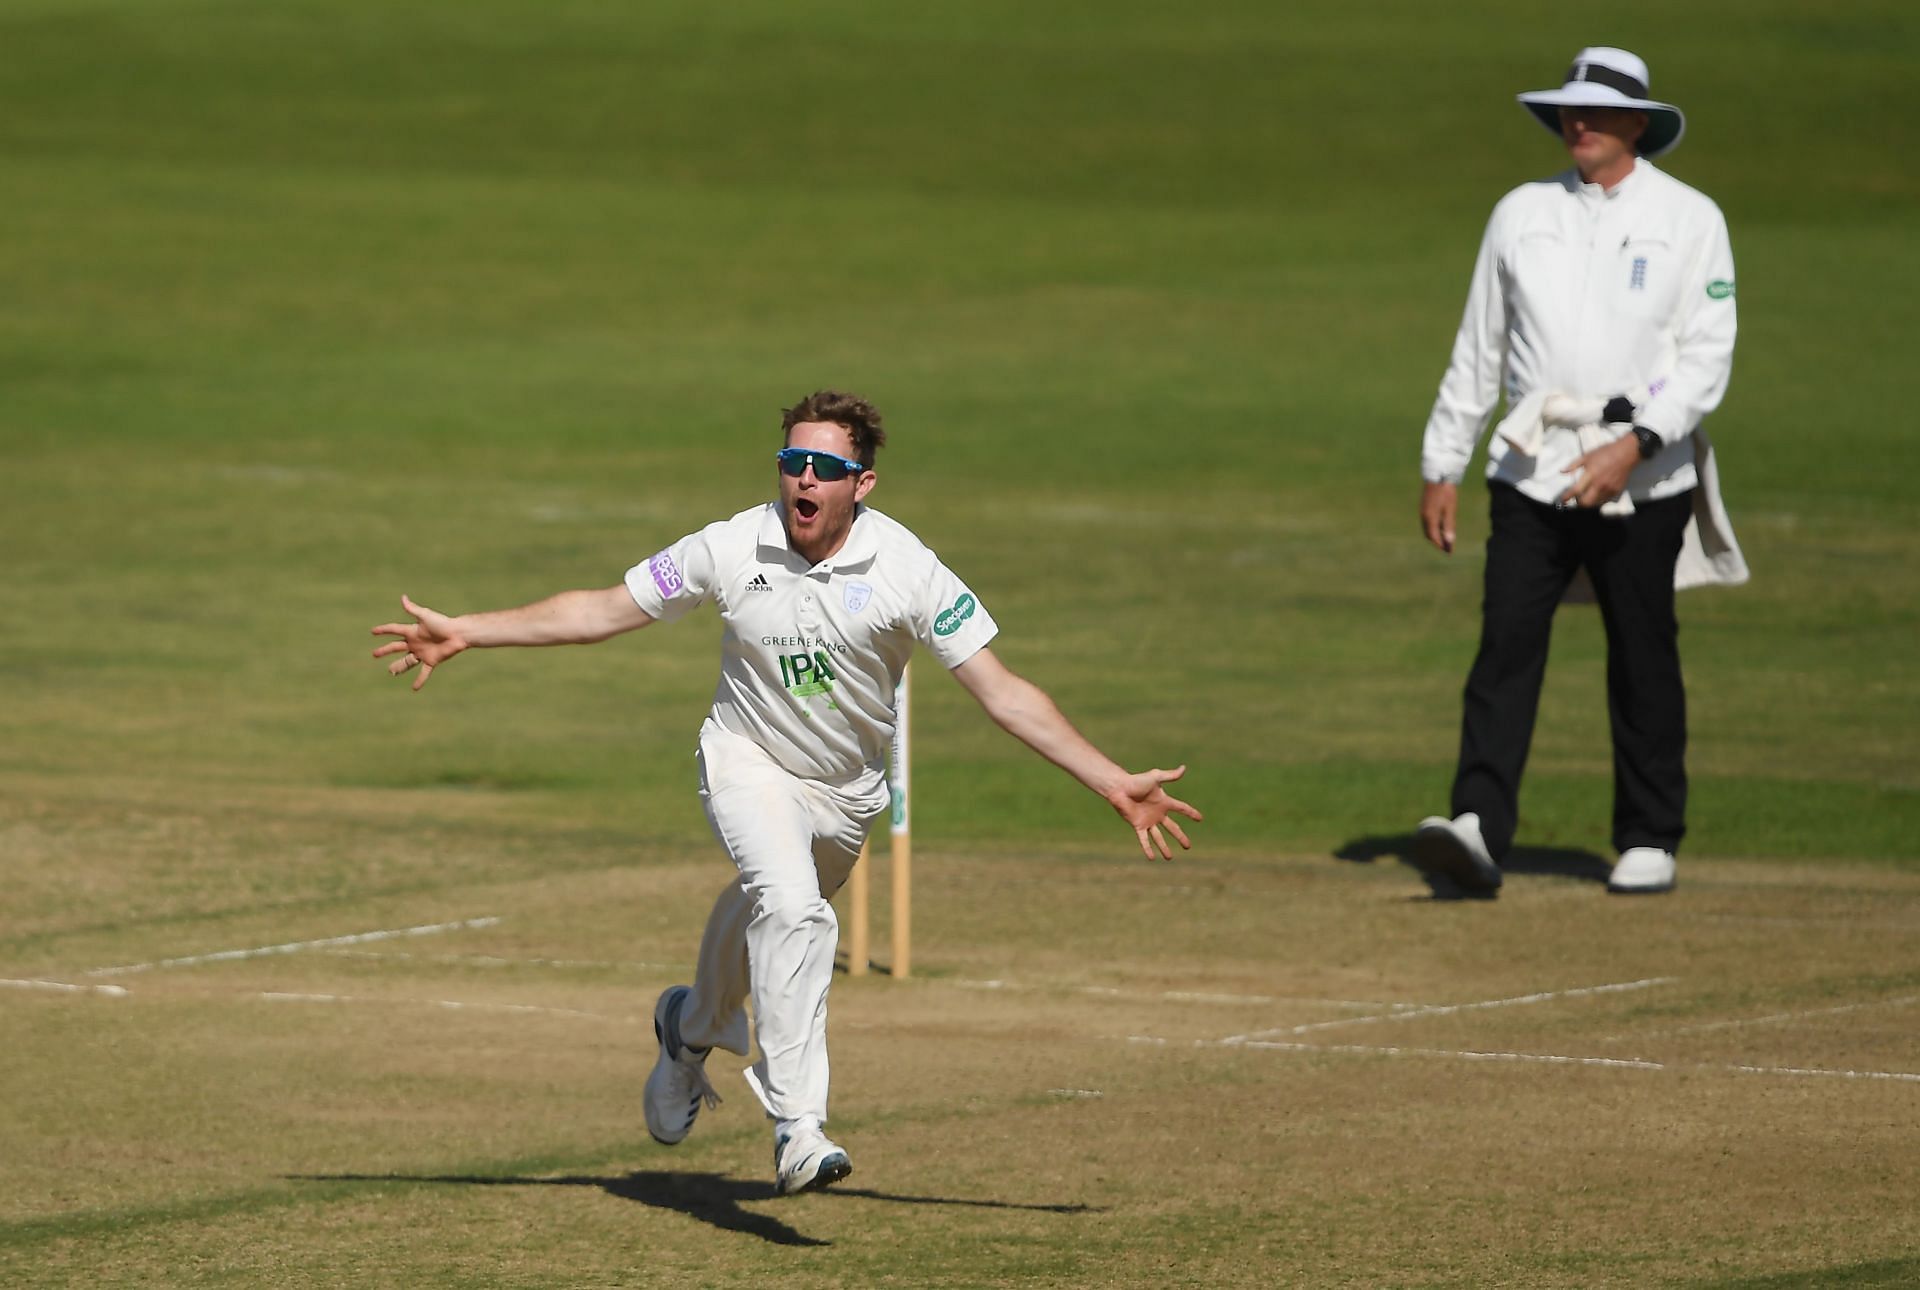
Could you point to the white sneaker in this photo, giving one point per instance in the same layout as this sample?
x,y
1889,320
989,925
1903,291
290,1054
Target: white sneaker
x,y
806,1159
1454,849
678,1085
1642,871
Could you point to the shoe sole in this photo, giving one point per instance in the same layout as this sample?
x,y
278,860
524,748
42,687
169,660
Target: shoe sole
x,y
832,1170
660,1037
665,1142
1660,890
1438,852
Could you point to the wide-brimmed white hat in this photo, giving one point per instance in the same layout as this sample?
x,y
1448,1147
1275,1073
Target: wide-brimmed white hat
x,y
1605,77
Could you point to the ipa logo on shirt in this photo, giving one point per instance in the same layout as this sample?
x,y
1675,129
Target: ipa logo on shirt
x,y
1720,288
950,620
807,674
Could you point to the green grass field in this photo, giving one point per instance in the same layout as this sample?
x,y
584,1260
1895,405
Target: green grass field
x,y
304,306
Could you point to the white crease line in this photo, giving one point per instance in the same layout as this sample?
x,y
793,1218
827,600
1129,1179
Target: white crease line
x,y
116,991
1178,996
294,946
1903,1076
1444,1010
281,996
493,960
1551,1059
1773,1018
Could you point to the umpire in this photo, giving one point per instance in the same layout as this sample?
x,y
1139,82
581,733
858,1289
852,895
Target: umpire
x,y
1602,307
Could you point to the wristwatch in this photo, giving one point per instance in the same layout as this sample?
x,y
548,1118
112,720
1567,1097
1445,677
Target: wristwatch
x,y
1649,441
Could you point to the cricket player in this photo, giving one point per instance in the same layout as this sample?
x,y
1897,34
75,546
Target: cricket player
x,y
822,599
1602,306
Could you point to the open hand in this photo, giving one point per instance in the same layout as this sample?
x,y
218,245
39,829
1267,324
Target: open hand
x,y
425,643
1145,805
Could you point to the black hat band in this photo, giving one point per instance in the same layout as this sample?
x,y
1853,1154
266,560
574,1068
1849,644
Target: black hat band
x,y
1595,74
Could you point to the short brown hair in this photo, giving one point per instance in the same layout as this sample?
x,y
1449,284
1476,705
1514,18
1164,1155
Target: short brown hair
x,y
850,412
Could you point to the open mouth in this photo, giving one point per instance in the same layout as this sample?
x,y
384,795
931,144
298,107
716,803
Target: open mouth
x,y
805,508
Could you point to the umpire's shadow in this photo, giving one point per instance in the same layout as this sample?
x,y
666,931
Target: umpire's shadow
x,y
711,1198
1557,862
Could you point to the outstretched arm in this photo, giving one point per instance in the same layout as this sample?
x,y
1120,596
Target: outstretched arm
x,y
570,618
1023,710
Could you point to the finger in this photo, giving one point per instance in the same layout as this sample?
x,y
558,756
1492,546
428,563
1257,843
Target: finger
x,y
391,647
1175,804
1146,848
1180,835
426,670
394,629
1159,840
399,666
1168,776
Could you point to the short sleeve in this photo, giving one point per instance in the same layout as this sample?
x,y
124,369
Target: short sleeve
x,y
949,619
678,578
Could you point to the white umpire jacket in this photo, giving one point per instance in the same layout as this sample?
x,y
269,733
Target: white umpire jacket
x,y
1588,292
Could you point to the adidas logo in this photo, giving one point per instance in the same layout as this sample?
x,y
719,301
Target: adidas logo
x,y
759,583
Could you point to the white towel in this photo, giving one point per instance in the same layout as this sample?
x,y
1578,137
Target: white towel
x,y
1709,552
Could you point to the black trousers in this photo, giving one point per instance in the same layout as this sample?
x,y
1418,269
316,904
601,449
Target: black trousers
x,y
1533,553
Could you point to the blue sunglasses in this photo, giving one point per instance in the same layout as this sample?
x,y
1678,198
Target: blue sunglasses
x,y
827,467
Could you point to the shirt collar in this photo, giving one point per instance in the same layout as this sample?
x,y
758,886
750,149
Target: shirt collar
x,y
862,543
1594,192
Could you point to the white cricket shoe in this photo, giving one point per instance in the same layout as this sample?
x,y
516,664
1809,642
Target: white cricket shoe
x,y
678,1085
805,1159
1642,871
1454,849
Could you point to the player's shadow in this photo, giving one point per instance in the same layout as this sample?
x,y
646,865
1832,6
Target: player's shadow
x,y
1557,862
711,1198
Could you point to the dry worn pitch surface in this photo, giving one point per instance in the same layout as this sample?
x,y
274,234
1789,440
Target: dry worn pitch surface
x,y
1242,1070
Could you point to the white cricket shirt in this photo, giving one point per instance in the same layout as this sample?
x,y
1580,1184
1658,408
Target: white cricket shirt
x,y
812,653
1591,292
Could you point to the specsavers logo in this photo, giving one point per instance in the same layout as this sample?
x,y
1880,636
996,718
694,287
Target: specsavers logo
x,y
950,620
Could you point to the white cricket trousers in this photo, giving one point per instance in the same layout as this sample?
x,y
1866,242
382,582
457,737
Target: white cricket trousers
x,y
772,934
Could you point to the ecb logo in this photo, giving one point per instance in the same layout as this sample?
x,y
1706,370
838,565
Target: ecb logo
x,y
1639,282
858,594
